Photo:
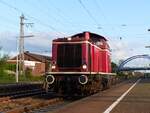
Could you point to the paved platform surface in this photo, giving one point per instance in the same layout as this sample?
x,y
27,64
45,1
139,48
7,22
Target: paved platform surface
x,y
115,100
137,100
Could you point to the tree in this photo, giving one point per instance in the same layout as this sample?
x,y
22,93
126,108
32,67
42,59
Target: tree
x,y
3,62
114,67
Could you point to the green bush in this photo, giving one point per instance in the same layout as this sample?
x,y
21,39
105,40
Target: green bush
x,y
114,67
3,65
10,78
11,67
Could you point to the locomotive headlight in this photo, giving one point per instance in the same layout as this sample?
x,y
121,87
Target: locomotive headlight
x,y
50,79
84,66
69,38
53,67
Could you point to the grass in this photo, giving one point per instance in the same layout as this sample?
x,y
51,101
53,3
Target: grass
x,y
30,78
7,78
7,73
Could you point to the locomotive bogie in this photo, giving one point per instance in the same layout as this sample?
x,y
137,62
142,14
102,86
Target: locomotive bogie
x,y
80,84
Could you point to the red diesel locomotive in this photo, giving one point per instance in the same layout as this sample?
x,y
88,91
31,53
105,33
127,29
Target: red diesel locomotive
x,y
81,64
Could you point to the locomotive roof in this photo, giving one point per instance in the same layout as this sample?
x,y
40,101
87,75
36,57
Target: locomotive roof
x,y
93,36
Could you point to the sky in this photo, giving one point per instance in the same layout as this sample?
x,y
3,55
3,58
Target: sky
x,y
124,23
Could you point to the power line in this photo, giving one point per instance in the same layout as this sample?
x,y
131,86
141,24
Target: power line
x,y
8,20
67,18
46,25
40,22
44,11
89,13
107,21
91,16
12,7
103,14
98,5
8,26
59,14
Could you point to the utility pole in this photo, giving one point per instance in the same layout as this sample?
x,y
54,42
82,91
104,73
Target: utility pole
x,y
21,45
17,63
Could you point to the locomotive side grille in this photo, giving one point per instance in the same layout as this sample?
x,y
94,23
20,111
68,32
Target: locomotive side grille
x,y
69,55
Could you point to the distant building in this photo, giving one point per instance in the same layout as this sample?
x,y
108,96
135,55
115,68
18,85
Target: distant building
x,y
39,64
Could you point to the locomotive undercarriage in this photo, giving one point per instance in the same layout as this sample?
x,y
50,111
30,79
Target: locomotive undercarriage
x,y
70,85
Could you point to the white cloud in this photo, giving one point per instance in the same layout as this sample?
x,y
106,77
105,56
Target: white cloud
x,y
42,39
40,42
119,50
7,34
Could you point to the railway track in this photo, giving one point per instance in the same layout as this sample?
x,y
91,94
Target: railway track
x,y
32,104
32,100
29,105
64,103
26,98
39,103
14,89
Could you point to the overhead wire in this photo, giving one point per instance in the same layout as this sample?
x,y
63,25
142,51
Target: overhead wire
x,y
44,11
103,14
92,17
61,15
89,13
58,10
12,23
12,7
107,21
37,20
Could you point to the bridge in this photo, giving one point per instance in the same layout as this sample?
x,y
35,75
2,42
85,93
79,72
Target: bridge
x,y
132,69
122,68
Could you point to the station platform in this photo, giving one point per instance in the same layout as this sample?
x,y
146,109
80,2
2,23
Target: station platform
x,y
132,96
